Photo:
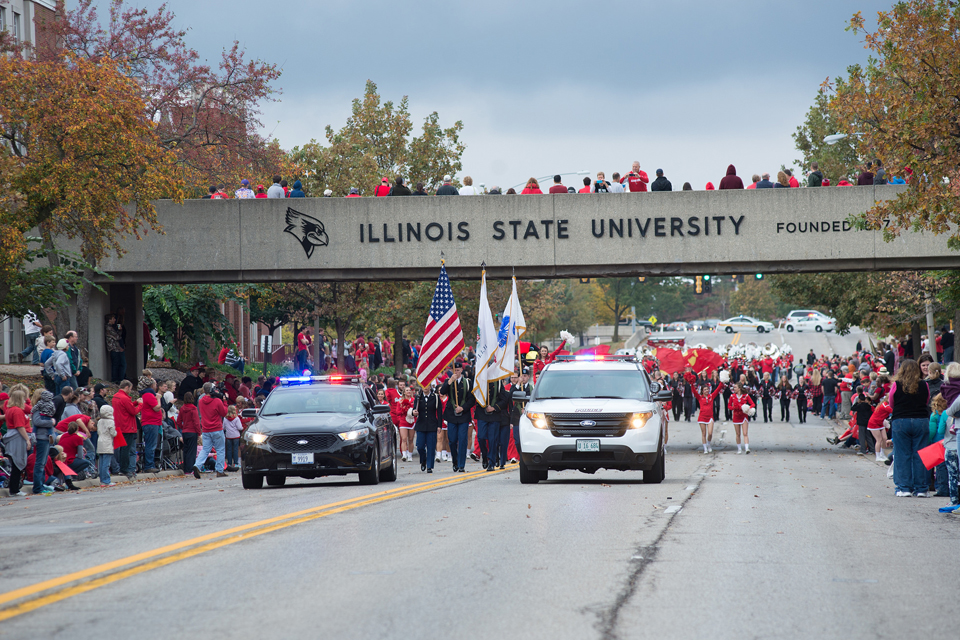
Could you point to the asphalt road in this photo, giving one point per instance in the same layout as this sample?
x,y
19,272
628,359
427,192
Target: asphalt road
x,y
795,540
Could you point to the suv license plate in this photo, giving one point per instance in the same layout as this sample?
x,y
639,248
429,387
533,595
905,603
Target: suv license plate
x,y
588,445
307,458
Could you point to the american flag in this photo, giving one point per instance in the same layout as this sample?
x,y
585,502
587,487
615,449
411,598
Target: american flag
x,y
443,337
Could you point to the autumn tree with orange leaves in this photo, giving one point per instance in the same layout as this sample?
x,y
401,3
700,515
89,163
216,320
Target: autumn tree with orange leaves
x,y
903,107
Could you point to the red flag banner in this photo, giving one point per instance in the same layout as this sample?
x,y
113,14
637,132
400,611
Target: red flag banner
x,y
671,360
703,360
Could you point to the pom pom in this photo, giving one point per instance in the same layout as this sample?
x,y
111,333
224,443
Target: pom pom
x,y
725,377
567,337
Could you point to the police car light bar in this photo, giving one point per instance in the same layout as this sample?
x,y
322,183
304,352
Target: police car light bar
x,y
597,358
292,381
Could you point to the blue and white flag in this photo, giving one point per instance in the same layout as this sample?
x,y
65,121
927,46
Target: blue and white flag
x,y
486,362
512,328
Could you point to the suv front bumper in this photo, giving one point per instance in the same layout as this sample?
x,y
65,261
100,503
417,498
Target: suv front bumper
x,y
610,456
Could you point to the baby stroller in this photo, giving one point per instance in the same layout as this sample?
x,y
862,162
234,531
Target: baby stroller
x,y
169,447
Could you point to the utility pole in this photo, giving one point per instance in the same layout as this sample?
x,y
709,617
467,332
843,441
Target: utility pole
x,y
931,334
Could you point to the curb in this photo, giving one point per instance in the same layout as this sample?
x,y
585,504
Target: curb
x,y
95,482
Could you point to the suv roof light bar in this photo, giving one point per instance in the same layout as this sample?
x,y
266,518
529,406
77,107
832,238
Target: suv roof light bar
x,y
596,358
293,381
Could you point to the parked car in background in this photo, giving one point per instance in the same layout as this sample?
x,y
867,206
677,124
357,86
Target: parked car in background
x,y
677,326
698,325
712,323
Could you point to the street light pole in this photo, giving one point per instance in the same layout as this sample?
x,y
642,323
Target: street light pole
x,y
582,172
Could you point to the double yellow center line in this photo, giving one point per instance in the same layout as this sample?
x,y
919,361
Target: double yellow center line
x,y
73,584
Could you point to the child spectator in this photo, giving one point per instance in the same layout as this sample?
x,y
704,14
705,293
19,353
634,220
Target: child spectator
x,y
108,431
232,428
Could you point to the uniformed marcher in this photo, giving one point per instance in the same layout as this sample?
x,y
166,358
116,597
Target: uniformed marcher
x,y
428,411
516,409
458,390
490,421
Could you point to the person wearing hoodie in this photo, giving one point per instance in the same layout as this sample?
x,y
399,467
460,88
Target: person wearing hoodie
x,y
950,390
212,411
188,422
661,183
41,419
57,365
125,413
816,178
731,180
297,190
107,429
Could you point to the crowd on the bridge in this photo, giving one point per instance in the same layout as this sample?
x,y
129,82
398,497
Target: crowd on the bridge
x,y
895,396
636,180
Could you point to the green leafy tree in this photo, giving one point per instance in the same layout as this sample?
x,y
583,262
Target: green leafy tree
x,y
836,160
188,319
754,298
376,142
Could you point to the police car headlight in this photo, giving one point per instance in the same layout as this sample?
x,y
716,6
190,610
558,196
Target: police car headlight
x,y
256,438
355,434
539,420
639,420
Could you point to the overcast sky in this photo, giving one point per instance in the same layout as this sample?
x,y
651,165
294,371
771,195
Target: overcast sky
x,y
686,85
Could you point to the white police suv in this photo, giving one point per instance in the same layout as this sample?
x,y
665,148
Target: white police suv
x,y
593,412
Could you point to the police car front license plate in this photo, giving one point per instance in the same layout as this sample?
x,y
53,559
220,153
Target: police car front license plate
x,y
307,458
588,445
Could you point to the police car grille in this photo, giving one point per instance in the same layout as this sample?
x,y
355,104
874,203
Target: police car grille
x,y
291,443
606,424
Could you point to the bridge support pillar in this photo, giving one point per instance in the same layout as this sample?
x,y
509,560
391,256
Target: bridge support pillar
x,y
126,300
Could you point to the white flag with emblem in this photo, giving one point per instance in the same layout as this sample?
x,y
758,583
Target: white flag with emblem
x,y
486,362
512,328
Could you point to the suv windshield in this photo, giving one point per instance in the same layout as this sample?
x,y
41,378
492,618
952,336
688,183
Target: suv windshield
x,y
624,383
313,399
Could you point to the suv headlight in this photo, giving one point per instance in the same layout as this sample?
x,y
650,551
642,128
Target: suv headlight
x,y
255,438
539,420
639,420
356,434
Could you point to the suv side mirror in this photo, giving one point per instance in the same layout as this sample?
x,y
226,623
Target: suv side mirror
x,y
664,395
654,388
381,409
249,413
520,396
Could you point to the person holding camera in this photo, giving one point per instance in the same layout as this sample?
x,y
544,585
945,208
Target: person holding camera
x,y
212,412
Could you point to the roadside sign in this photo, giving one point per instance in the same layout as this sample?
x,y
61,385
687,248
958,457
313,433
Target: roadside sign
x,y
266,344
653,319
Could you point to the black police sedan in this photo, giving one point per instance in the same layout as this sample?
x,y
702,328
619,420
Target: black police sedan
x,y
319,426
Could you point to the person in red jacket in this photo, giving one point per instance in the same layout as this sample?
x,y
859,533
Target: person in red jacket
x,y
383,189
546,357
125,413
212,411
151,417
705,399
637,179
731,180
740,405
71,442
188,422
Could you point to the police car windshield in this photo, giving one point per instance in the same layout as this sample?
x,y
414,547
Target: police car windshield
x,y
563,384
313,399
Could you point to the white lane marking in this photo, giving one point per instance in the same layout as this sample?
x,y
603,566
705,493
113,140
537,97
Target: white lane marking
x,y
674,509
691,487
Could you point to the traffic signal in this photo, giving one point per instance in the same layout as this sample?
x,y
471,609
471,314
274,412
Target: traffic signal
x,y
698,286
584,280
707,284
641,278
759,276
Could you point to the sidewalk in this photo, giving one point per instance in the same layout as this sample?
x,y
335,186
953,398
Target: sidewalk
x,y
95,482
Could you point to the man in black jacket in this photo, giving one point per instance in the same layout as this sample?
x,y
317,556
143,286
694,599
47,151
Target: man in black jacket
x,y
661,183
829,384
428,410
458,390
491,421
516,407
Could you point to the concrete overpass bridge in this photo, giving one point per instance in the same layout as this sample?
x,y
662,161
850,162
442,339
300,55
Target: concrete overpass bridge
x,y
549,236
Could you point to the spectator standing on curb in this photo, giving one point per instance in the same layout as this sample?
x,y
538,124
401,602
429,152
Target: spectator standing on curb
x,y
275,190
382,190
232,428
212,412
909,422
188,422
107,430
468,189
76,362
42,421
16,441
125,413
151,417
31,327
815,179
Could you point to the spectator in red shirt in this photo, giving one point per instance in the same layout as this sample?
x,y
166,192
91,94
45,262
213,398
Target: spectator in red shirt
x,y
71,441
151,417
125,413
557,185
188,422
304,340
794,183
212,411
16,441
636,180
261,191
383,189
586,185
533,187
